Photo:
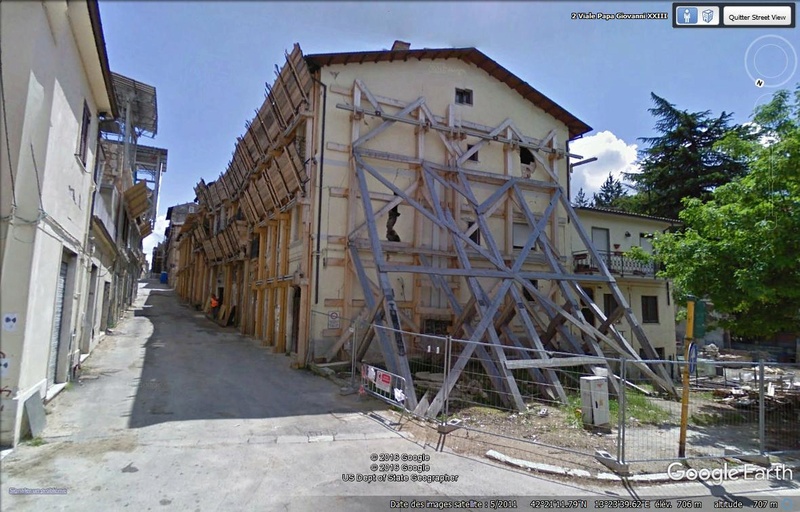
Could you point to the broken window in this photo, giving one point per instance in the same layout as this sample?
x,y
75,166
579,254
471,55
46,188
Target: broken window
x,y
391,234
527,294
525,156
476,235
474,156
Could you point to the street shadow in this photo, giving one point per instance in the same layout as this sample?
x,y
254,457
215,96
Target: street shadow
x,y
196,370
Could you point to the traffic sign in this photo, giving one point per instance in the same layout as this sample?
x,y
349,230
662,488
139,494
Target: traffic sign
x,y
692,357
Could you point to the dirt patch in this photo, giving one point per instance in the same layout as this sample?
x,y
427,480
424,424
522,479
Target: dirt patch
x,y
28,459
556,436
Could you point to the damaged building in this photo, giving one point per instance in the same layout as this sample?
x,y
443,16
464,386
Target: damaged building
x,y
422,190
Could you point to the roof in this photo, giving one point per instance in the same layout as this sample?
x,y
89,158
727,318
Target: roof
x,y
627,214
100,43
469,55
144,106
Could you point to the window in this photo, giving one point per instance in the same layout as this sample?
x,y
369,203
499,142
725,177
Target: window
x,y
255,246
464,96
476,235
588,314
659,353
649,309
525,156
83,143
609,304
436,327
528,295
474,156
520,234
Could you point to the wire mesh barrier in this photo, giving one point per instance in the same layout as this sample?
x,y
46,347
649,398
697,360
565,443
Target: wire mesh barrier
x,y
570,403
733,408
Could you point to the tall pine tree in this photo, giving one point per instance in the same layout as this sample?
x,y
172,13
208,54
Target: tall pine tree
x,y
611,191
685,160
581,199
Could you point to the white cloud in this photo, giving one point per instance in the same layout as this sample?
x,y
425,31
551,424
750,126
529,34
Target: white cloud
x,y
613,154
155,238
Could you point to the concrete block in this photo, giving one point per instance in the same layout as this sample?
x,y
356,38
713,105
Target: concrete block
x,y
606,459
349,437
320,439
291,439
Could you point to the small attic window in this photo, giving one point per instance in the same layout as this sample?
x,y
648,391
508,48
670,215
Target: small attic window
x,y
464,96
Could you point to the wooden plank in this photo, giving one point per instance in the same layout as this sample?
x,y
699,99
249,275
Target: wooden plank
x,y
558,362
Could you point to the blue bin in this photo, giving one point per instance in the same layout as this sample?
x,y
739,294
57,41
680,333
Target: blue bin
x,y
163,277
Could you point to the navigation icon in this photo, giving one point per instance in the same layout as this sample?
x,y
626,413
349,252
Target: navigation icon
x,y
759,83
686,15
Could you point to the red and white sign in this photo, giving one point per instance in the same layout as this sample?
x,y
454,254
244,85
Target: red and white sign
x,y
384,381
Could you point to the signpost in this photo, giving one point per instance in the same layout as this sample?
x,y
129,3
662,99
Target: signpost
x,y
689,348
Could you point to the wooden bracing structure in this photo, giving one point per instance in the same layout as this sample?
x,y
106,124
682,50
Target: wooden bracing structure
x,y
440,195
248,206
462,255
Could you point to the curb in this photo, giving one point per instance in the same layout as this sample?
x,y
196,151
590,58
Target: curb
x,y
651,478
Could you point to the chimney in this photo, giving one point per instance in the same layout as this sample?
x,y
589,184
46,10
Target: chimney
x,y
401,45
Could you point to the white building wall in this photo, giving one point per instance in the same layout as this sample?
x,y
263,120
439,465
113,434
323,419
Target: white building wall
x,y
46,84
661,334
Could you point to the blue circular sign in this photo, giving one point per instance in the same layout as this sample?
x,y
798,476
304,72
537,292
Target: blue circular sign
x,y
692,357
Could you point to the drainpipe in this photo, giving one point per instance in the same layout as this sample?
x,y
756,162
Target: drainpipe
x,y
319,185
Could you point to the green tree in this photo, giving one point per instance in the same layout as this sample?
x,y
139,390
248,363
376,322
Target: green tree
x,y
581,199
684,161
741,248
611,191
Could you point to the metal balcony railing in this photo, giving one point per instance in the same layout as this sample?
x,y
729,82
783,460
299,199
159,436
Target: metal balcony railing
x,y
583,262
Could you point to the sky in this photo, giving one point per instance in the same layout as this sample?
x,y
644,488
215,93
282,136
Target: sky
x,y
210,61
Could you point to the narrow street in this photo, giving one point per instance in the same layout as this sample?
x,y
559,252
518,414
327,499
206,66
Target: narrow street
x,y
173,410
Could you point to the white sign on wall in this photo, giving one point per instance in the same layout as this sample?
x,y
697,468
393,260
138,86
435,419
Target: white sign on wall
x,y
333,320
10,321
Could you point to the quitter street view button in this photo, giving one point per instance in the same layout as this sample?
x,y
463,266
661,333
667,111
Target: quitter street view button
x,y
758,15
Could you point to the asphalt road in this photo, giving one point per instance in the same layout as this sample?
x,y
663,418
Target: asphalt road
x,y
173,412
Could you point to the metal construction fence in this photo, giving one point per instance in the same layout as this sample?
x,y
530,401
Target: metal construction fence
x,y
734,407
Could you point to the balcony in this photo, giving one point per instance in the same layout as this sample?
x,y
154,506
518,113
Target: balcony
x,y
619,265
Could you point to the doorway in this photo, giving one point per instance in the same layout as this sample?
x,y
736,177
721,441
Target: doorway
x,y
293,343
58,314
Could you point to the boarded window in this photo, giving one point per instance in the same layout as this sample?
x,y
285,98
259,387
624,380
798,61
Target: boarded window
x,y
520,234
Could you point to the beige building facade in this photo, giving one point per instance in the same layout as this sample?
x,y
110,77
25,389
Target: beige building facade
x,y
421,190
56,90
